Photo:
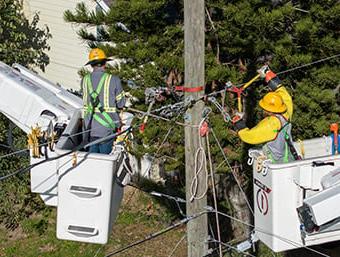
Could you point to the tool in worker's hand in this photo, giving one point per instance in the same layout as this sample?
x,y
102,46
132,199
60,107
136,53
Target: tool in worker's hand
x,y
239,90
237,117
334,129
263,71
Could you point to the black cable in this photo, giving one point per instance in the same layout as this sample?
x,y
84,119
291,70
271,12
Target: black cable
x,y
309,64
82,145
156,234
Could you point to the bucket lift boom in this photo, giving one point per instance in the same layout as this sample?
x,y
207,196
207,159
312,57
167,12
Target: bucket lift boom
x,y
29,100
296,203
82,185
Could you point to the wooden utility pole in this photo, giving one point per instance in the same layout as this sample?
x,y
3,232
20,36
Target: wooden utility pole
x,y
197,229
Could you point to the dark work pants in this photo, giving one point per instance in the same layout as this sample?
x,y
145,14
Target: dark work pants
x,y
105,147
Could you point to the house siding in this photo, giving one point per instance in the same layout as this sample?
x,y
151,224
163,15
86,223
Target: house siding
x,y
68,52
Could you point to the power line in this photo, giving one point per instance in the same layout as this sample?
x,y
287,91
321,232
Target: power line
x,y
288,241
83,145
158,117
211,94
212,176
158,233
213,210
228,246
278,73
232,171
63,135
309,64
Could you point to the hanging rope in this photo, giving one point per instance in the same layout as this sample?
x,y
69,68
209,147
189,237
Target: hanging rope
x,y
201,158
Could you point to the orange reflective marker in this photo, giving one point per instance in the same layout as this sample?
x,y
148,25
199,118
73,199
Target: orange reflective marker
x,y
334,128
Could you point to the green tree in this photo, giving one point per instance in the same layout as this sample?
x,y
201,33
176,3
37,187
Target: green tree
x,y
23,42
241,36
20,40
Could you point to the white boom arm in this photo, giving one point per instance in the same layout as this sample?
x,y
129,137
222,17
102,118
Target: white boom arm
x,y
27,99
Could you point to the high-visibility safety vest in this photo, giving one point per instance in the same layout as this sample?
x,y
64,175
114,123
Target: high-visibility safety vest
x,y
278,150
92,104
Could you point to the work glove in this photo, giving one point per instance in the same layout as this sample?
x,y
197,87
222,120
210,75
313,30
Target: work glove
x,y
270,78
238,121
262,71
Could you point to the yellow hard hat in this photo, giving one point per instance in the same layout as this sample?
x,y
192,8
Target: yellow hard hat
x,y
272,102
96,55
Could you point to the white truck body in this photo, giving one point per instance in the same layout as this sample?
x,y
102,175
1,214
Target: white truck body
x,y
281,189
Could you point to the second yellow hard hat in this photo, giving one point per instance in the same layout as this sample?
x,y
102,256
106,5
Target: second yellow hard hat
x,y
272,102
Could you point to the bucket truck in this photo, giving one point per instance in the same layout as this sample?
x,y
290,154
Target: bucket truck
x,y
81,185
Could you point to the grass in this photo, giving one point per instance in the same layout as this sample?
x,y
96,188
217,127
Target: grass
x,y
35,245
139,216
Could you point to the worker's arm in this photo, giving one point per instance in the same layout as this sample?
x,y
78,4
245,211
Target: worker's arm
x,y
118,92
275,84
265,131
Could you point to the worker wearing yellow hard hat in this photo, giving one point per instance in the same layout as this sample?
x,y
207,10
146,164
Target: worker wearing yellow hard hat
x,y
97,55
274,131
103,96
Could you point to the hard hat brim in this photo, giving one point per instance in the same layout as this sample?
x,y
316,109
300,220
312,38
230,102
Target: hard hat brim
x,y
92,62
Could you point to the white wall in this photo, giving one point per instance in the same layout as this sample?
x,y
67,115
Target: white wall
x,y
68,53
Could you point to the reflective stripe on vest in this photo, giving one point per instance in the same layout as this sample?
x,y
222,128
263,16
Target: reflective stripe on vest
x,y
120,96
99,109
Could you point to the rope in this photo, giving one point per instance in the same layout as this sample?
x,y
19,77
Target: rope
x,y
200,157
232,171
214,195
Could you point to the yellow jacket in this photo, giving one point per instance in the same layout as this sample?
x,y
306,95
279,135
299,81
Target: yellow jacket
x,y
267,129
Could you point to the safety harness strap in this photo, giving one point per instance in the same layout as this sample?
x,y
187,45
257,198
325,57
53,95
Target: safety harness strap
x,y
94,107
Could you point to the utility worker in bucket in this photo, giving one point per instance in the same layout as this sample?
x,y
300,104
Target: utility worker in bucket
x,y
274,131
103,96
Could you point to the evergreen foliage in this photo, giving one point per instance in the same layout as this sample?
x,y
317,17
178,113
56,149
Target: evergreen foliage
x,y
22,42
241,36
